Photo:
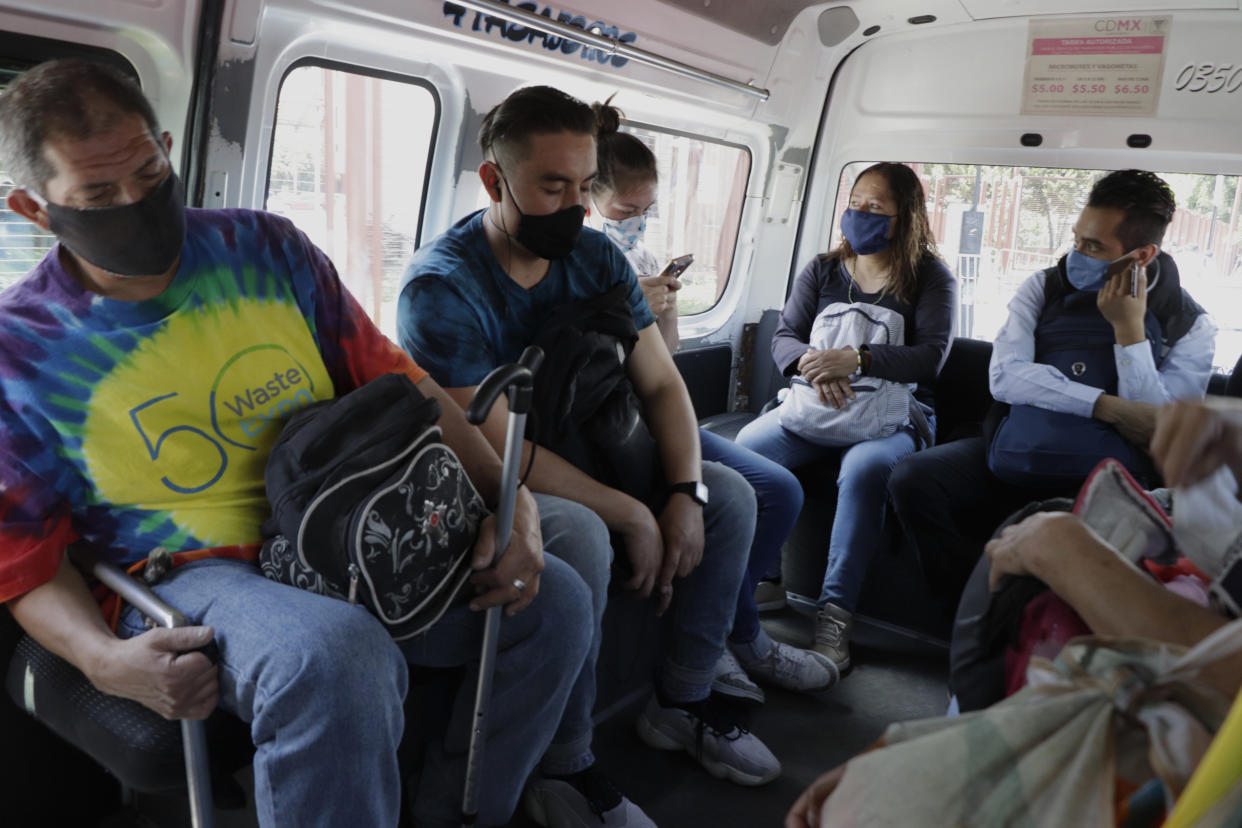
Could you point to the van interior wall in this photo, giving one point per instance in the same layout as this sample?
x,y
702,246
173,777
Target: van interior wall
x,y
953,95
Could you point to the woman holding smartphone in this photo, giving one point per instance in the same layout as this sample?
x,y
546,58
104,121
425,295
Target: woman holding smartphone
x,y
888,258
624,190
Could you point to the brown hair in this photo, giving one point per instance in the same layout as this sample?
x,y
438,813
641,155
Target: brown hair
x,y
912,242
75,99
622,159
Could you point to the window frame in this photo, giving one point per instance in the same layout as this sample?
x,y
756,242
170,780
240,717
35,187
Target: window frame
x,y
737,231
369,72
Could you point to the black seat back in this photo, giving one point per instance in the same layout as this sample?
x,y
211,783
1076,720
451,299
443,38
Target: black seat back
x,y
962,394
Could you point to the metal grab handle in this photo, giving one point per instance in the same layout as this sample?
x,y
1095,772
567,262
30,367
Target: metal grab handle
x,y
518,382
193,732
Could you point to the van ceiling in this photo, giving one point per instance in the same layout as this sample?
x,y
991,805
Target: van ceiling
x,y
766,21
983,9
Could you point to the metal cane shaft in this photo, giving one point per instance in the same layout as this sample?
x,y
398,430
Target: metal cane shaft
x,y
491,624
508,486
194,742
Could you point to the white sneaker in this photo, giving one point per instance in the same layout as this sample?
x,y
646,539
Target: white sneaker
x,y
795,669
709,733
731,680
584,799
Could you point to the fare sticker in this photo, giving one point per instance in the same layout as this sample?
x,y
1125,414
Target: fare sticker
x,y
1095,65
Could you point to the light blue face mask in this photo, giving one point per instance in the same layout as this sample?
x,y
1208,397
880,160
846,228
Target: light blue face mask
x,y
626,233
1084,272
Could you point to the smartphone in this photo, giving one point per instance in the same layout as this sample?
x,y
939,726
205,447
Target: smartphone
x,y
678,266
1120,265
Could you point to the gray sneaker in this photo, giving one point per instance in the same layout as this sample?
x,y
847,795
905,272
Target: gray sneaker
x,y
584,799
832,635
731,680
795,669
770,595
710,733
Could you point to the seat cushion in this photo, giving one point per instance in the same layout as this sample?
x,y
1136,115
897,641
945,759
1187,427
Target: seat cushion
x,y
139,747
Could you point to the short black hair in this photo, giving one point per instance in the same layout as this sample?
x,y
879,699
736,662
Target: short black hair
x,y
70,98
532,110
1146,200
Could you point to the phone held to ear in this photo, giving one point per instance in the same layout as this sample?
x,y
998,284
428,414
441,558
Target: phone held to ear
x,y
1120,265
678,266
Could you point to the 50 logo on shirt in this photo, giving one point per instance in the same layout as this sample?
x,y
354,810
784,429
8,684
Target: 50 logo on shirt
x,y
187,431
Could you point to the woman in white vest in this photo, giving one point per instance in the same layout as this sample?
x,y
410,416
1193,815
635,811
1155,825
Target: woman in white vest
x,y
862,337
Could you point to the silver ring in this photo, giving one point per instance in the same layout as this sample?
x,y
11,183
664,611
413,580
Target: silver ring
x,y
519,584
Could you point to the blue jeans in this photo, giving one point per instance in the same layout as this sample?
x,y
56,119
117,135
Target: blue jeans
x,y
778,499
321,685
705,600
862,484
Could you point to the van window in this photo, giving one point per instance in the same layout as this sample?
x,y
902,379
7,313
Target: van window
x,y
698,210
349,163
995,226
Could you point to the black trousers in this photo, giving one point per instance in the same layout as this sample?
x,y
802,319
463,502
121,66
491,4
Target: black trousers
x,y
949,505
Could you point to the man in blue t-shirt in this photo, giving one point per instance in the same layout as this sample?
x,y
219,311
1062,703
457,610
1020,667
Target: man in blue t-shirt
x,y
475,297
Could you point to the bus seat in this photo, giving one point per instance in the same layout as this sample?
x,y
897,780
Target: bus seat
x,y
706,374
145,752
764,380
962,394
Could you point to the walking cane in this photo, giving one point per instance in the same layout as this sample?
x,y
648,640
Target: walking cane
x,y
517,382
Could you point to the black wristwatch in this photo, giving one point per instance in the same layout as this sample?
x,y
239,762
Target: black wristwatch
x,y
694,488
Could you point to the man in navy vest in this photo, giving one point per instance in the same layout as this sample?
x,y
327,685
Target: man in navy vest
x,y
1085,356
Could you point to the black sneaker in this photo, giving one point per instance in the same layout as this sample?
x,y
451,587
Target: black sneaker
x,y
586,798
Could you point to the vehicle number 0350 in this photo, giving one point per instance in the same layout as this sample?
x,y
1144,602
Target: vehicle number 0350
x,y
1209,77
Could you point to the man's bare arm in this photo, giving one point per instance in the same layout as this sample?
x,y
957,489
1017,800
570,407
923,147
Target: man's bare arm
x,y
1114,598
154,668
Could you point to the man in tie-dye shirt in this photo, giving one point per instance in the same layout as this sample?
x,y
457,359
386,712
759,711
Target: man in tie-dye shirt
x,y
146,366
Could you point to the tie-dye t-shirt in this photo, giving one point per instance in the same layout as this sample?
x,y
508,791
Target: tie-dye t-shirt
x,y
460,315
132,425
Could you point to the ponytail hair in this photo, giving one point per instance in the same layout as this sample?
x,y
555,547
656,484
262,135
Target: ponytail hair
x,y
622,159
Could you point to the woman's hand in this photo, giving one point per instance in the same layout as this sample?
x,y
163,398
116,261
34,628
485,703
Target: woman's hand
x,y
834,363
835,392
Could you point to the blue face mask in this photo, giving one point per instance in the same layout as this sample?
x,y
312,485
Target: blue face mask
x,y
866,232
626,233
1084,272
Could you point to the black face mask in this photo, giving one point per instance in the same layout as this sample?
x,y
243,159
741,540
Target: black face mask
x,y
550,236
139,239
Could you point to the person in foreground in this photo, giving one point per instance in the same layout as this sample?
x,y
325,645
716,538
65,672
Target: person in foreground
x,y
133,359
887,258
1192,440
473,298
623,192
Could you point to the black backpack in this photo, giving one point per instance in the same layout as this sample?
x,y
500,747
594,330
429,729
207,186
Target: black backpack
x,y
369,506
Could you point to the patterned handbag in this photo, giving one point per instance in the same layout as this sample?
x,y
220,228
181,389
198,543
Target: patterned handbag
x,y
370,507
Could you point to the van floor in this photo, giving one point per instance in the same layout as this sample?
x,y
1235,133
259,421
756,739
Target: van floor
x,y
894,677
